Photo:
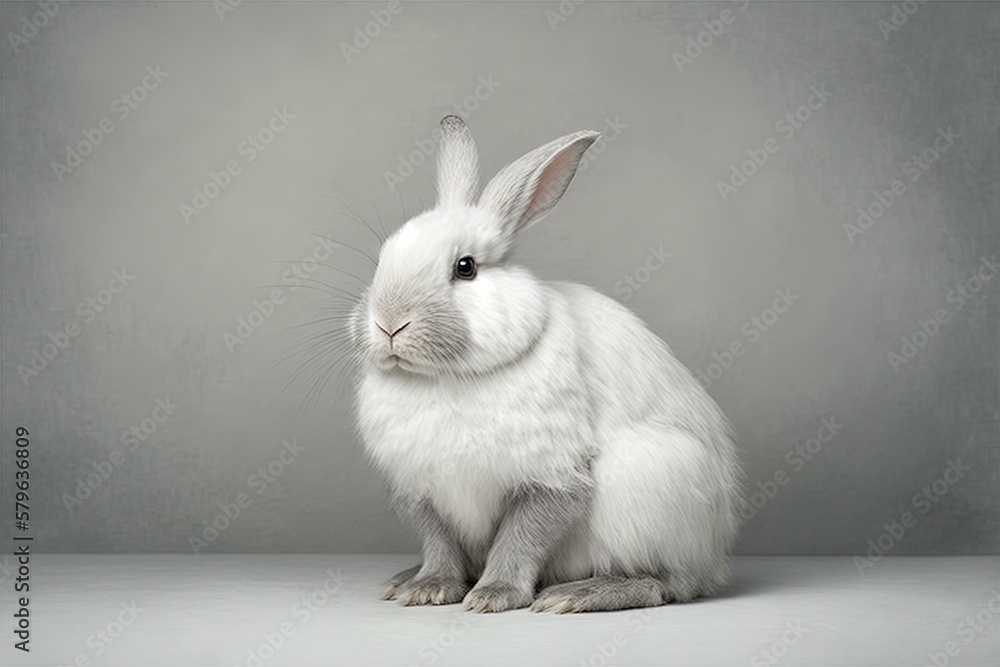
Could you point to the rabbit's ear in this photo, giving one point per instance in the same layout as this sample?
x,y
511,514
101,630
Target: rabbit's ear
x,y
458,164
526,190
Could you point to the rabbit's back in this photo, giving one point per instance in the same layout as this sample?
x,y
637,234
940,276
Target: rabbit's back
x,y
631,374
667,474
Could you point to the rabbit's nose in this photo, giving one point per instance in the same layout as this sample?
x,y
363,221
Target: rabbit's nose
x,y
386,331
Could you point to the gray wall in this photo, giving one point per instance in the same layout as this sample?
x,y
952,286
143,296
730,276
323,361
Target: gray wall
x,y
681,130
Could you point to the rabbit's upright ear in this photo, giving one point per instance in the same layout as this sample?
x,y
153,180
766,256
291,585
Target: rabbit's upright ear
x,y
458,164
526,190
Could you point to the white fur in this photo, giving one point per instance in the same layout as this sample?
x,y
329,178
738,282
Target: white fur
x,y
549,376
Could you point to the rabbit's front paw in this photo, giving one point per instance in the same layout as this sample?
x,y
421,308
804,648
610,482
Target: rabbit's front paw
x,y
393,585
496,597
431,590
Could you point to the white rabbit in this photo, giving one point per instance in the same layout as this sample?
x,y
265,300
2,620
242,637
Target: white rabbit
x,y
529,446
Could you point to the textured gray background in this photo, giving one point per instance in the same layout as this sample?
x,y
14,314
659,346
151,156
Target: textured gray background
x,y
654,185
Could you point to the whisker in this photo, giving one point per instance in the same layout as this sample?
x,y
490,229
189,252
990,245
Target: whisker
x,y
381,239
402,208
326,334
335,318
315,391
302,348
378,217
318,289
336,290
343,374
349,247
329,266
323,337
333,287
348,371
301,370
319,380
419,199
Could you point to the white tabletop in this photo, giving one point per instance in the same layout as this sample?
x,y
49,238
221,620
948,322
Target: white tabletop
x,y
220,609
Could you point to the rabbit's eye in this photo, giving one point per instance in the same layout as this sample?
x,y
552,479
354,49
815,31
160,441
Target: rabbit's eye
x,y
465,268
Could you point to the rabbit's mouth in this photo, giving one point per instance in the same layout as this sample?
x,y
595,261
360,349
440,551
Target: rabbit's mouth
x,y
395,363
391,361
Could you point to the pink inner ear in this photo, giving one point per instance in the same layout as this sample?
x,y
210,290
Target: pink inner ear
x,y
551,184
